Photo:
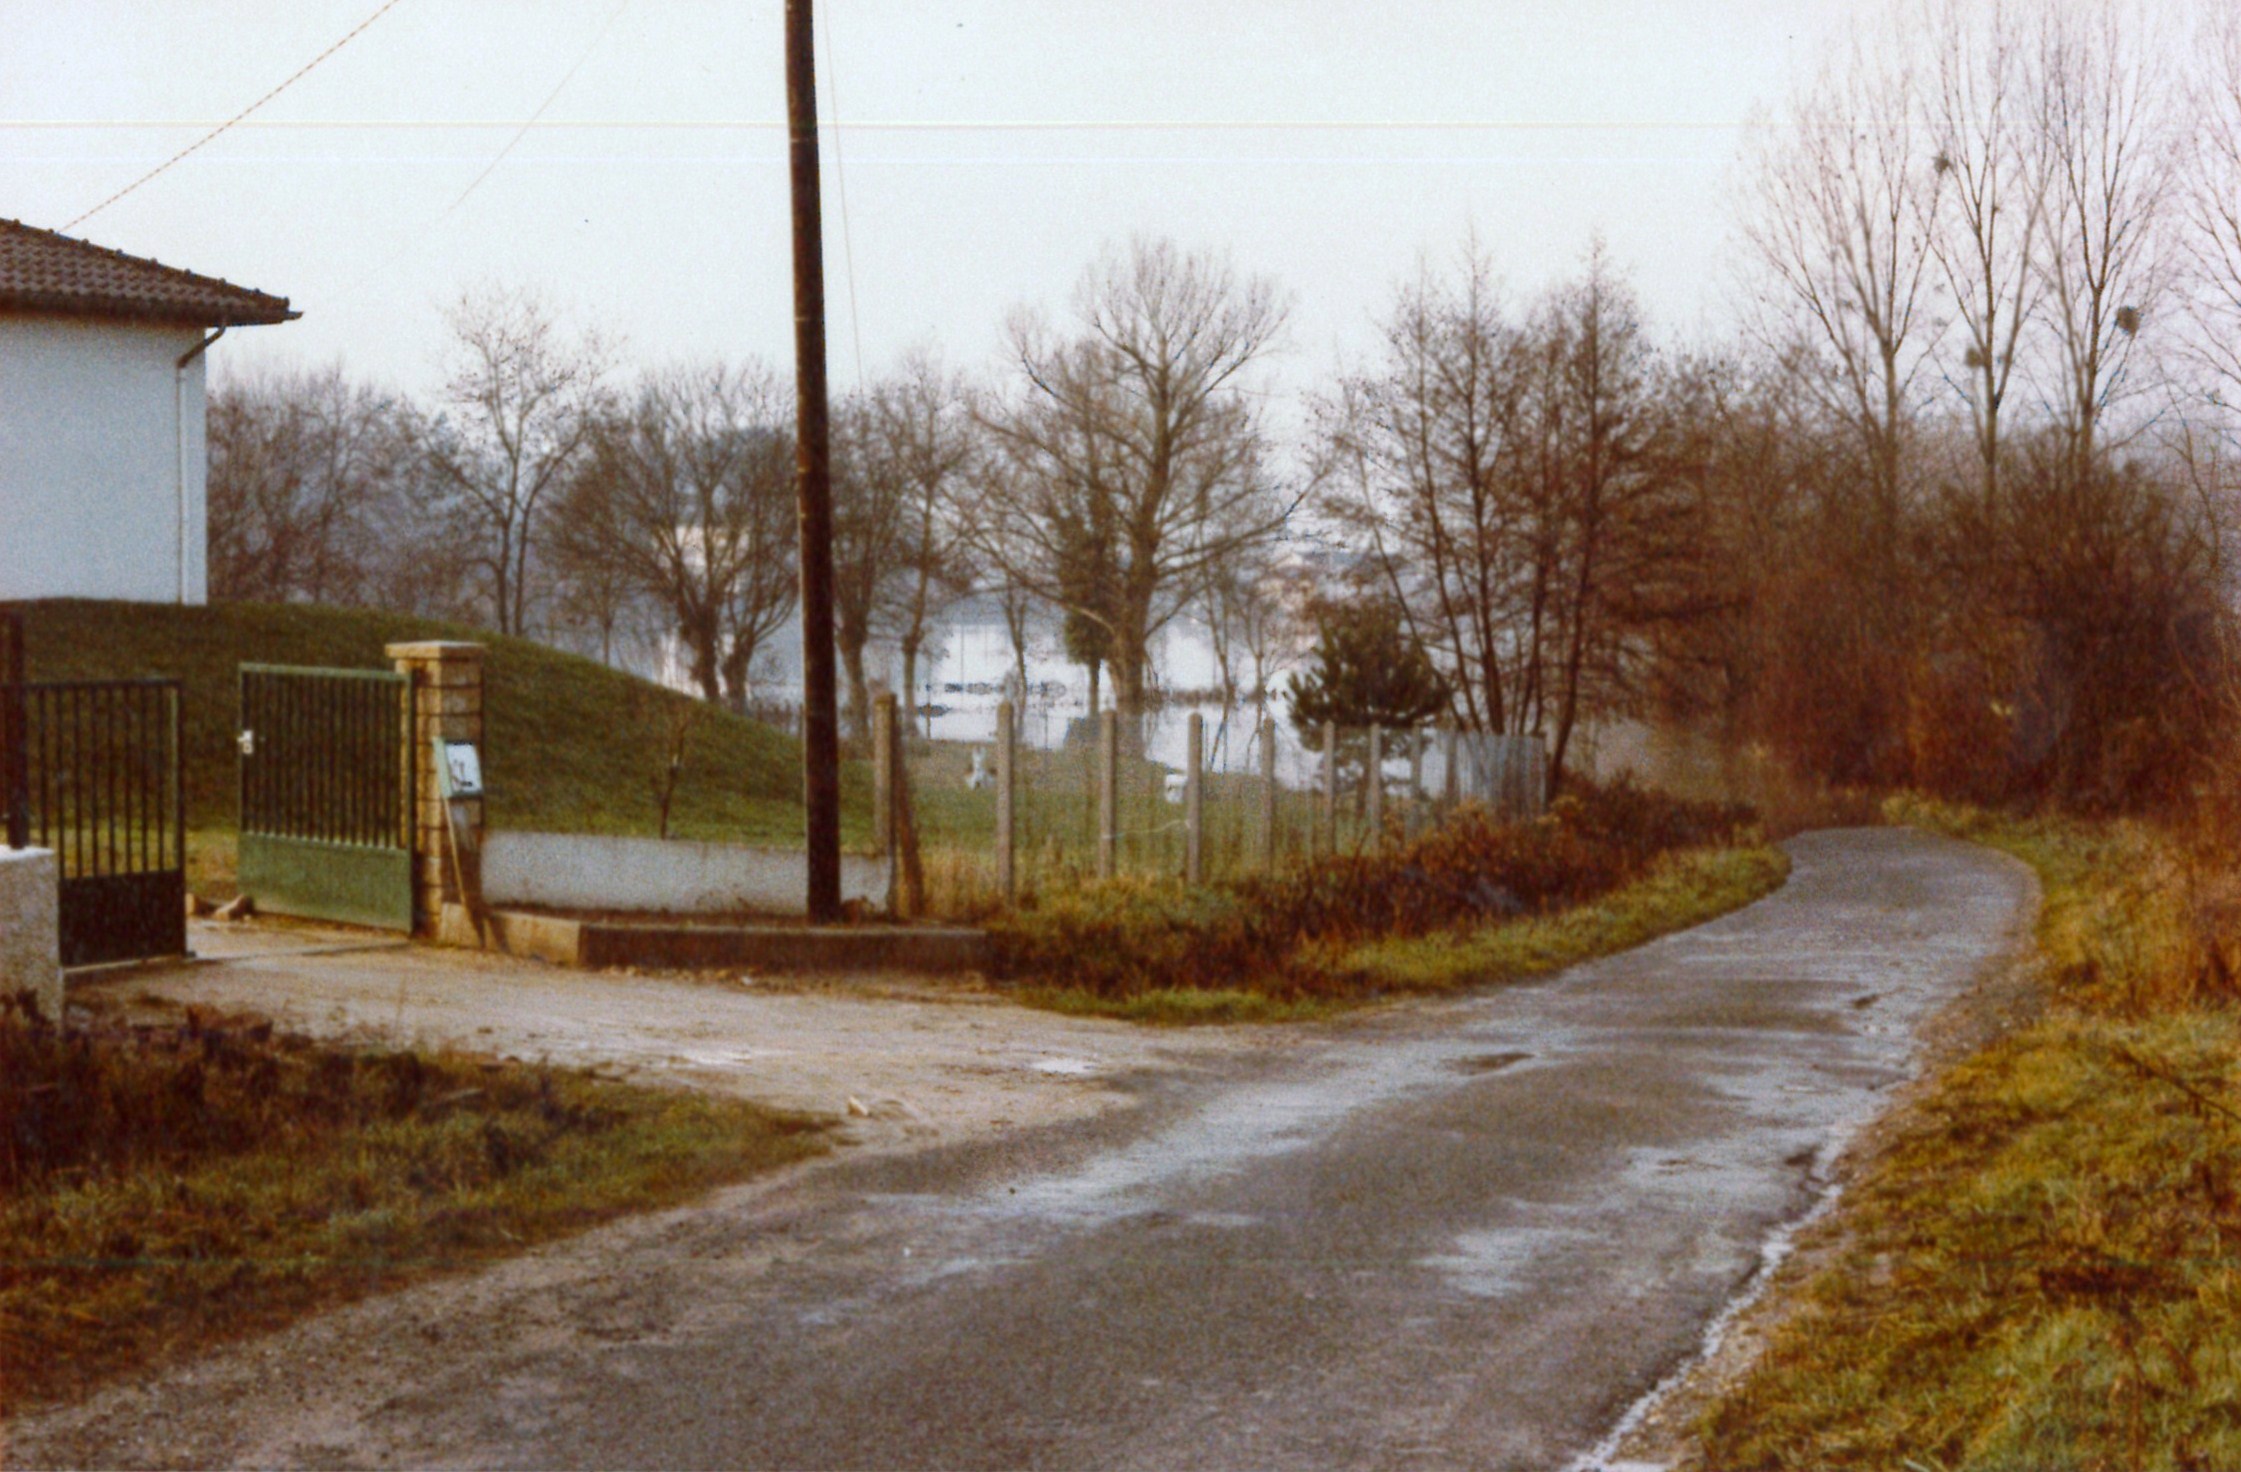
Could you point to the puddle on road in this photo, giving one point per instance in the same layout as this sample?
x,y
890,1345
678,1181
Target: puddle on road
x,y
1497,1262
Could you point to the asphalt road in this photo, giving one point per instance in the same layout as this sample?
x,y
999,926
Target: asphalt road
x,y
1469,1234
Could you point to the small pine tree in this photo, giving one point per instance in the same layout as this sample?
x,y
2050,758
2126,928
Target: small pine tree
x,y
1369,671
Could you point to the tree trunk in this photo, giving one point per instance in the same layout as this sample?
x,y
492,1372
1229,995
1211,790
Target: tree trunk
x,y
699,634
859,689
910,684
1015,624
738,662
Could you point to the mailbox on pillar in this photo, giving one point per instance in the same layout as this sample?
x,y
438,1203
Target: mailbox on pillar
x,y
458,769
459,782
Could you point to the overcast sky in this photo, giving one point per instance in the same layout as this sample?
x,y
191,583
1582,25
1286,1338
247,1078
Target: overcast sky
x,y
986,149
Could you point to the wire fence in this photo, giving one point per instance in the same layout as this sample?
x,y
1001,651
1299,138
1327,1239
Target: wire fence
x,y
1095,806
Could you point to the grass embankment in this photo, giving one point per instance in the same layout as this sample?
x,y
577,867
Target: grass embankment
x,y
162,1189
2039,1271
570,745
1474,901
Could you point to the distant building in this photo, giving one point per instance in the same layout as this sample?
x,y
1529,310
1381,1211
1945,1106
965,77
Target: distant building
x,y
102,460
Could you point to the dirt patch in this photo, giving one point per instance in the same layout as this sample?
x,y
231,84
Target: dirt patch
x,y
2006,997
893,1059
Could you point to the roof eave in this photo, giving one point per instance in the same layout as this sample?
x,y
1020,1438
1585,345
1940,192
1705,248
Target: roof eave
x,y
63,304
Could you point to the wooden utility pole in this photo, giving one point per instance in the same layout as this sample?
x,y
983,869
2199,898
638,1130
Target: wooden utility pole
x,y
813,479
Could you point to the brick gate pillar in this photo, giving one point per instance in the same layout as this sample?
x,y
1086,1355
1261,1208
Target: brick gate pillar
x,y
446,702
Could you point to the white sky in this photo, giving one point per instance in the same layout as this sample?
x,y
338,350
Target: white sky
x,y
987,149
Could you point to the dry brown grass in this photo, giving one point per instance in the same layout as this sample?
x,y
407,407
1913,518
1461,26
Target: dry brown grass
x,y
2043,1269
164,1187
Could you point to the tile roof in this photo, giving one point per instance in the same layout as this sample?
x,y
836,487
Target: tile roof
x,y
41,271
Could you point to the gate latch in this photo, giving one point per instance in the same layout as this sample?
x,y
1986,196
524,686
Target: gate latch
x,y
248,743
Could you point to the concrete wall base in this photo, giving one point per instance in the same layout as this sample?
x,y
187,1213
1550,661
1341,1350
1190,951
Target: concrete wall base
x,y
567,941
603,872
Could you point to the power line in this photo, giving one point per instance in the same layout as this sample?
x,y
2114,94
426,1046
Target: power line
x,y
531,122
500,157
840,187
922,125
293,78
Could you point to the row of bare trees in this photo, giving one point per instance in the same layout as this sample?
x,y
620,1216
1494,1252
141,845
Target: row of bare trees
x,y
1520,479
1116,474
1986,308
1948,506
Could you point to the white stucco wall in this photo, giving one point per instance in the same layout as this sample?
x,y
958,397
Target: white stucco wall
x,y
599,871
97,430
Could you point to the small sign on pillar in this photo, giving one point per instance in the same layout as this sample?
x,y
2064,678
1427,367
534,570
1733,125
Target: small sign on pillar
x,y
459,784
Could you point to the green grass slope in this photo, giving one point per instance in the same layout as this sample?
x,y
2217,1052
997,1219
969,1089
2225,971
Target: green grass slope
x,y
570,745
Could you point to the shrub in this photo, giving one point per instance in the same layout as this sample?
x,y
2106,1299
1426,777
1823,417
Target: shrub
x,y
1127,936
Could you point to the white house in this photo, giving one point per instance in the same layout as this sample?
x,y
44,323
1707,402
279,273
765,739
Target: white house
x,y
102,461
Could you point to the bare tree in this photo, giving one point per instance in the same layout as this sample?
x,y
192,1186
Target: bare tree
x,y
2213,228
1133,436
304,469
686,493
1840,222
1259,605
1623,523
2111,168
1980,115
1017,604
924,443
869,517
518,408
1412,465
1515,483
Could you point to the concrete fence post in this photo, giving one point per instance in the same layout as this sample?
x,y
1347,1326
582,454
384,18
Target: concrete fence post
x,y
1413,815
883,773
886,757
31,928
1108,794
1268,791
1330,787
1007,748
446,704
1374,774
1194,801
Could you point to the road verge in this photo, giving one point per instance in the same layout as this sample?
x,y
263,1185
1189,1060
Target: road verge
x,y
2032,1263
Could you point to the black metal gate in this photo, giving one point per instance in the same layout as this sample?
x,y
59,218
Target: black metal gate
x,y
326,793
102,787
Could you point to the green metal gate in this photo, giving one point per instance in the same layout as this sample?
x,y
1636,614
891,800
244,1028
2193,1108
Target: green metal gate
x,y
326,794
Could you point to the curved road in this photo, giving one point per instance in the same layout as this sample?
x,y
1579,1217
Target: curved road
x,y
1466,1234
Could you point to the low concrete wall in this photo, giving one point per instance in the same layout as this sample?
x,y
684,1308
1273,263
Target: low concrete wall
x,y
30,937
687,945
592,871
